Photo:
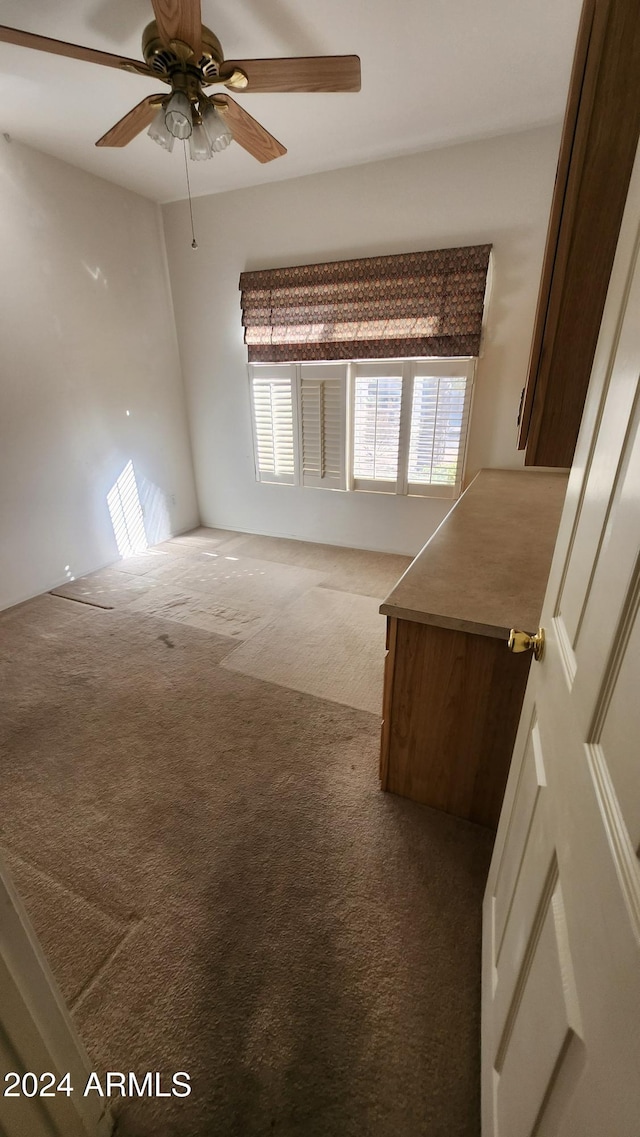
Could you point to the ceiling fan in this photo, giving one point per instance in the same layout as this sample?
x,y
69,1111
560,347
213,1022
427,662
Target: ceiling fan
x,y
181,52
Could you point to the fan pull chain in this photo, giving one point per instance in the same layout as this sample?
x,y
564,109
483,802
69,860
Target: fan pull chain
x,y
194,243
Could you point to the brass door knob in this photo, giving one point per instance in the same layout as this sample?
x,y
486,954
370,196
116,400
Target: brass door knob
x,y
524,641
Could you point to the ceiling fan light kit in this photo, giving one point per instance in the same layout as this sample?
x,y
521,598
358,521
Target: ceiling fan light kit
x,y
181,52
205,127
177,115
201,145
159,132
217,130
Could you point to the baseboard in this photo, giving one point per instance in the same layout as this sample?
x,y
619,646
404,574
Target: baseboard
x,y
306,540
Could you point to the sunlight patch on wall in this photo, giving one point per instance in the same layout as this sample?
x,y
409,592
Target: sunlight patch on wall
x,y
126,514
156,511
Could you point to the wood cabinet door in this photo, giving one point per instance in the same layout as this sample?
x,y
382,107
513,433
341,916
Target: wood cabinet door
x,y
599,140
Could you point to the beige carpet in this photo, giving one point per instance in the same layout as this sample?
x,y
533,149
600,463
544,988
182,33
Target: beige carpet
x,y
349,570
327,643
58,909
234,596
221,887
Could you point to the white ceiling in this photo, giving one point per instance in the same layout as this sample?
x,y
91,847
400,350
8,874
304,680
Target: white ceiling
x,y
433,72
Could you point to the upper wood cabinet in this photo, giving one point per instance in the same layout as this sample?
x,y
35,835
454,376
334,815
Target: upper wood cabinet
x,y
599,140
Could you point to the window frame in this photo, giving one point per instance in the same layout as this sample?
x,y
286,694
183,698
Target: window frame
x,y
409,370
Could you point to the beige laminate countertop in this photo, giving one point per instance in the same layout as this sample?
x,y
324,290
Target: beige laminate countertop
x,y
485,568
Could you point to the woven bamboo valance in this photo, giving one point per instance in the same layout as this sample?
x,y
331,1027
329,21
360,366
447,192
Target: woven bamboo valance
x,y
411,304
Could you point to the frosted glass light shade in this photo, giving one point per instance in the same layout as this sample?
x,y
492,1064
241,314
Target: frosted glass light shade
x,y
199,144
219,134
177,115
158,131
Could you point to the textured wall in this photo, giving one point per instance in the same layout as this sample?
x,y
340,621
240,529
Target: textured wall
x,y
87,334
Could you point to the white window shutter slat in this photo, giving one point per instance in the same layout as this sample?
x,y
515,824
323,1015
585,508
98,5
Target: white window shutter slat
x,y
273,424
323,418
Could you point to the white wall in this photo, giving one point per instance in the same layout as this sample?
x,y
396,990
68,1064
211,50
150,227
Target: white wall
x,y
496,190
86,333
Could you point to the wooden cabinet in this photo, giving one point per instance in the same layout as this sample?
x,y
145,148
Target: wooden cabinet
x,y
452,691
597,151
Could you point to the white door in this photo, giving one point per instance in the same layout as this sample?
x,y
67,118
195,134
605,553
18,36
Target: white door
x,y
38,1043
561,954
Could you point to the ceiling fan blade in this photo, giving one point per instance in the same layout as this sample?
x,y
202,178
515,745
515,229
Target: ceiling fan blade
x,y
71,50
305,73
180,20
247,132
132,123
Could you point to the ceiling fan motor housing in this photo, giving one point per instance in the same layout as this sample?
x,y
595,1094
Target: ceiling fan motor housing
x,y
166,61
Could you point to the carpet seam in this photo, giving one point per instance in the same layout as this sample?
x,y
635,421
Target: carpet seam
x,y
103,967
110,915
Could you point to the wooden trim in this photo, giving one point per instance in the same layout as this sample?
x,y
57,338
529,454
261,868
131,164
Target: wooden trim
x,y
387,699
551,265
37,1032
600,137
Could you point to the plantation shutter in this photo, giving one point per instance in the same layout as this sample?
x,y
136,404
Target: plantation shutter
x,y
377,412
411,304
410,423
323,426
274,428
439,422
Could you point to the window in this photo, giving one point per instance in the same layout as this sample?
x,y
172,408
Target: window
x,y
377,407
399,426
396,420
439,420
273,425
